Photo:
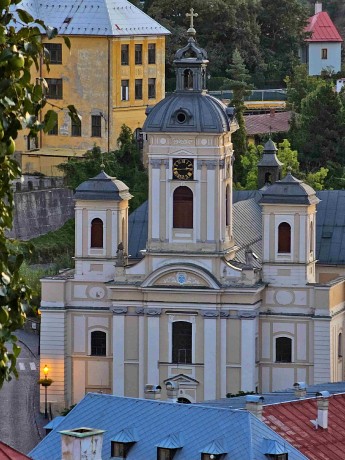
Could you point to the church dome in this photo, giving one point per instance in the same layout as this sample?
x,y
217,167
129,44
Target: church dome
x,y
102,187
189,108
289,191
189,112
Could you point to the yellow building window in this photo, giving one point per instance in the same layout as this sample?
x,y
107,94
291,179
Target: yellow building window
x,y
54,88
55,52
151,88
151,56
124,54
96,126
124,90
138,88
138,54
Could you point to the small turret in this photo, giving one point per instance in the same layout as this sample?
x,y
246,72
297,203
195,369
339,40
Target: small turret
x,y
269,167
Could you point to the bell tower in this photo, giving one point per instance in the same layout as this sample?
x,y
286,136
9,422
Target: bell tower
x,y
101,223
269,167
190,157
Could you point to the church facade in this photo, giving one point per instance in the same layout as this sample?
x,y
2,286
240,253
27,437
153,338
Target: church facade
x,y
224,295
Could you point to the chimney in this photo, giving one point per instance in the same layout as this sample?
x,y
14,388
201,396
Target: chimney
x,y
300,389
322,399
152,391
81,444
172,391
254,404
318,7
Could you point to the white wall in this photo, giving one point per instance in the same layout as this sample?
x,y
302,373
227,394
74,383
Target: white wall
x,y
316,64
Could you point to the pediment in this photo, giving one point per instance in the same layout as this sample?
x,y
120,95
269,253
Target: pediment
x,y
183,380
182,276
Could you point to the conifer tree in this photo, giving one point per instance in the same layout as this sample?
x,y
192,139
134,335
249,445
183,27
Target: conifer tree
x,y
239,83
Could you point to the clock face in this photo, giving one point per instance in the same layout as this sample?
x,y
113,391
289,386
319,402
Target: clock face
x,y
183,169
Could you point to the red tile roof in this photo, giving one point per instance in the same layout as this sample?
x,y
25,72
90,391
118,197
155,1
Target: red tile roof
x,y
8,453
274,122
292,421
322,29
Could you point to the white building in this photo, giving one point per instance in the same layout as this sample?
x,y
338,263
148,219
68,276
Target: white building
x,y
322,50
226,297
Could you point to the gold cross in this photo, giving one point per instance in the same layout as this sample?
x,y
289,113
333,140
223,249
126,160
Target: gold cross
x,y
192,16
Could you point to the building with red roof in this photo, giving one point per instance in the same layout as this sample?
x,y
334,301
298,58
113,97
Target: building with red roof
x,y
322,49
8,453
314,426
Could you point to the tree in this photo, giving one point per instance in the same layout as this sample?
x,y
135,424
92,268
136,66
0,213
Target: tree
x,y
238,82
21,101
282,26
319,130
289,158
299,85
124,163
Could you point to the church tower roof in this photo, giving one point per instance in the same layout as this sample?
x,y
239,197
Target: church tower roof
x,y
102,187
189,108
289,191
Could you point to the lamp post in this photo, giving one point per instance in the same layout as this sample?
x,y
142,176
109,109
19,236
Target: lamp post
x,y
45,383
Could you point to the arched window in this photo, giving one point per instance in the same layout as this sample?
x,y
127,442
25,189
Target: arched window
x,y
227,202
268,178
283,350
188,79
183,208
340,345
97,233
181,342
183,401
284,237
98,343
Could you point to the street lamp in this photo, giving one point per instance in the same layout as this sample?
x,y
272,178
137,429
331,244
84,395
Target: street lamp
x,y
45,383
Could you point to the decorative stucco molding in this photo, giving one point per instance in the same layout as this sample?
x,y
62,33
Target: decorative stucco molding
x,y
155,164
210,313
119,310
248,314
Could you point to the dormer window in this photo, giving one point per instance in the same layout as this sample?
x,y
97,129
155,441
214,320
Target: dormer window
x,y
119,450
165,454
211,456
277,456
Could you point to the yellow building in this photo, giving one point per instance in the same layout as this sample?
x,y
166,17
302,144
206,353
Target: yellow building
x,y
114,70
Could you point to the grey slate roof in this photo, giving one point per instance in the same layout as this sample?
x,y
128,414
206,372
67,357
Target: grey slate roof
x,y
206,114
102,187
330,225
289,191
94,17
239,433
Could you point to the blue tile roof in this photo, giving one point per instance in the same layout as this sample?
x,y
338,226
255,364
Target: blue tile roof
x,y
154,421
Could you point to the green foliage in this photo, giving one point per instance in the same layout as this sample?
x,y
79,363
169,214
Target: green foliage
x,y
267,33
319,129
289,158
238,82
299,85
125,164
66,410
33,275
21,100
55,248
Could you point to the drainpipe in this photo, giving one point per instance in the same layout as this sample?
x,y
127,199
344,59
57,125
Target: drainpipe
x,y
109,91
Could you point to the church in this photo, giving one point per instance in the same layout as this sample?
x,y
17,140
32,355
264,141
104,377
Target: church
x,y
219,291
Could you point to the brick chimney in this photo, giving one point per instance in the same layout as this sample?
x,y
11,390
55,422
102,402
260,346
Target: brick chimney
x,y
152,391
318,7
81,444
322,399
254,404
300,389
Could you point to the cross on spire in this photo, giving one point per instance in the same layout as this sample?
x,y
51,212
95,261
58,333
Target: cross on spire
x,y
192,15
